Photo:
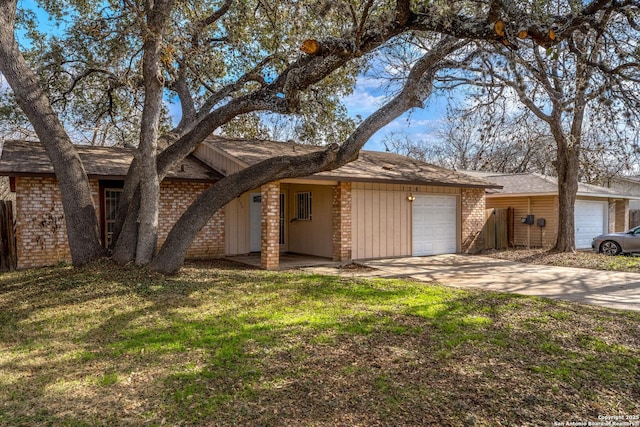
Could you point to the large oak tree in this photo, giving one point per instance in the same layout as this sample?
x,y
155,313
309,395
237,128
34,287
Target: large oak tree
x,y
227,60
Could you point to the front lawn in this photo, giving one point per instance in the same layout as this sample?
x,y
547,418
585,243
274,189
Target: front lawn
x,y
220,345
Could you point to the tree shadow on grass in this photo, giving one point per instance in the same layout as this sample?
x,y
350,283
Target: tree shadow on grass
x,y
229,347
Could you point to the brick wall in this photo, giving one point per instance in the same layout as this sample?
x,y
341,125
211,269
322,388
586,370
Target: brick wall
x,y
270,222
473,211
342,222
175,198
622,215
41,230
611,228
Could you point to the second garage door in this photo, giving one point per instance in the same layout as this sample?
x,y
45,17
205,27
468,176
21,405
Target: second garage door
x,y
435,221
590,221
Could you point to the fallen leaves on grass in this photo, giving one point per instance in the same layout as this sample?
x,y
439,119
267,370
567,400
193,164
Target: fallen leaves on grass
x,y
579,259
223,345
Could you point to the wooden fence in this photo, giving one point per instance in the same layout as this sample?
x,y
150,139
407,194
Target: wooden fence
x,y
498,228
8,252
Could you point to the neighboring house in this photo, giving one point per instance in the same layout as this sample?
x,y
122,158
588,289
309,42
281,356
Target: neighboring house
x,y
597,210
381,205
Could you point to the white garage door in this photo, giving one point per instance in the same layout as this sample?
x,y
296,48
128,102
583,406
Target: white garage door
x,y
434,225
590,220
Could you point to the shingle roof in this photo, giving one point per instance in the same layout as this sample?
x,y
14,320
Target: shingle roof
x,y
534,183
371,166
30,158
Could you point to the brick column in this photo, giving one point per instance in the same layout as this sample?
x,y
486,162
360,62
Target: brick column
x,y
342,222
612,216
270,221
473,211
622,215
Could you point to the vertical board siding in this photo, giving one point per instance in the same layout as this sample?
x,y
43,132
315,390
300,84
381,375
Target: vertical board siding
x,y
520,206
540,207
381,218
375,213
237,226
314,237
544,207
217,161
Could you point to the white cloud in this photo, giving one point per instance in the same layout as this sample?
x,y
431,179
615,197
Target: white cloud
x,y
363,103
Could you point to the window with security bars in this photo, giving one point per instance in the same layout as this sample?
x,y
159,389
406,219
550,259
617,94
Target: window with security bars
x,y
303,206
111,202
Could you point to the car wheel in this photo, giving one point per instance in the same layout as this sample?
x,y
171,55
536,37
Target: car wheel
x,y
610,247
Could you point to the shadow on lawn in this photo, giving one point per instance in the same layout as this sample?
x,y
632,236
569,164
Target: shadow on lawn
x,y
232,347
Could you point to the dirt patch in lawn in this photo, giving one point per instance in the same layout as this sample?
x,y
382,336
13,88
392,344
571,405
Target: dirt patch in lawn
x,y
356,267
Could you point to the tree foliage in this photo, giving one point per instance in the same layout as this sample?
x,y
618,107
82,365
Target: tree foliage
x,y
224,65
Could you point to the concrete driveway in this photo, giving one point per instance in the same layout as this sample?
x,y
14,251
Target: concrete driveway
x,y
609,289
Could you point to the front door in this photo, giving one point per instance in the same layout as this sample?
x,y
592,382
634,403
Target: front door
x,y
255,225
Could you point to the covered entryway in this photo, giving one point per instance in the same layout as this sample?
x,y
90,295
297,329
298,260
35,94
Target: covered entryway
x,y
591,219
435,221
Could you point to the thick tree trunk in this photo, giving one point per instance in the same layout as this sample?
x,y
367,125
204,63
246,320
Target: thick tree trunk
x,y
125,235
80,216
157,18
569,163
567,189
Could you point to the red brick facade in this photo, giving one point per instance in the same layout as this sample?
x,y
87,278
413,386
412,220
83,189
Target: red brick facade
x,y
41,230
175,198
342,222
622,215
473,209
270,222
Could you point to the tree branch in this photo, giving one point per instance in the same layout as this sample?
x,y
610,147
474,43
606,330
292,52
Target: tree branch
x,y
417,88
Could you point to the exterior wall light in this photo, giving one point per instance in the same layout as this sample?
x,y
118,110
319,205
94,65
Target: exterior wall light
x,y
411,197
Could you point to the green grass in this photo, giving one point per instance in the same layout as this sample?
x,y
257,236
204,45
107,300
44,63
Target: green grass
x,y
218,345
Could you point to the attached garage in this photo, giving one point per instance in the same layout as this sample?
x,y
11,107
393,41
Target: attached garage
x,y
385,220
590,220
435,220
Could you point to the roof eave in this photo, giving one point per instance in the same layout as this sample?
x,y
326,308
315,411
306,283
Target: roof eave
x,y
406,182
579,194
601,195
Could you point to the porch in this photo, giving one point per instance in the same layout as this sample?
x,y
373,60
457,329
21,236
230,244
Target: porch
x,y
287,261
290,224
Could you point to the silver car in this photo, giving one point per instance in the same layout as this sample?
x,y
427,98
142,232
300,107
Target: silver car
x,y
626,242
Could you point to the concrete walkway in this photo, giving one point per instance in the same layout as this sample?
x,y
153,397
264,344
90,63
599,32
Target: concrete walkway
x,y
609,289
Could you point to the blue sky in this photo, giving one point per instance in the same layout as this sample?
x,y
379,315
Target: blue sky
x,y
419,124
